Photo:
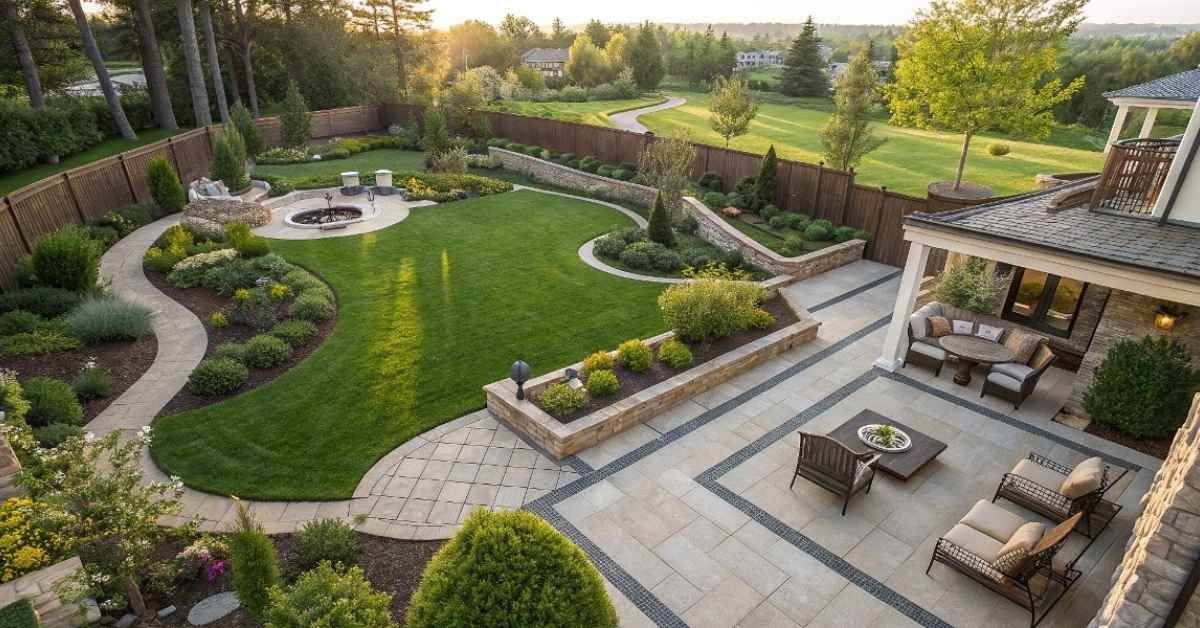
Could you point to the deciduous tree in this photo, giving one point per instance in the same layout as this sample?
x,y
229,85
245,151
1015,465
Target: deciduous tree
x,y
732,108
847,135
666,164
585,63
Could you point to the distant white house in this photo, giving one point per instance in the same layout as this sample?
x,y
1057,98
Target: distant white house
x,y
759,59
837,69
549,61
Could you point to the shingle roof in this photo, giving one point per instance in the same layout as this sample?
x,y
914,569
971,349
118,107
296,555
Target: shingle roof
x,y
545,55
1183,86
1077,230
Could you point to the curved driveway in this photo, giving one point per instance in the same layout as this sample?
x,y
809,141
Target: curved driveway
x,y
627,120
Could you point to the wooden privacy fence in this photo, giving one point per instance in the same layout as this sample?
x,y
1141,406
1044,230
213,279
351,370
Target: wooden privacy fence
x,y
88,192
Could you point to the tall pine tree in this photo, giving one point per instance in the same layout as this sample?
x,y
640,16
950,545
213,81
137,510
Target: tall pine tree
x,y
646,59
766,184
803,67
659,229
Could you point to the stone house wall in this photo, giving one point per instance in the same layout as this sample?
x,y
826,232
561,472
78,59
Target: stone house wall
x,y
1128,316
41,589
1165,543
556,174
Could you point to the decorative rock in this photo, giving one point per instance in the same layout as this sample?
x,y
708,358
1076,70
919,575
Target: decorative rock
x,y
126,620
211,215
212,608
166,611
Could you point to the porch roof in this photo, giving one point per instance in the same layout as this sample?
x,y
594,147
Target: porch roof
x,y
1030,220
1179,87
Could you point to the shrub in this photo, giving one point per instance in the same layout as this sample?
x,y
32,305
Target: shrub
x,y
18,322
453,160
218,320
103,236
972,286
255,565
716,200
761,319
295,124
602,383
589,164
998,149
675,354
843,234
246,243
1143,388
796,221
777,222
31,540
51,401
598,361
264,352
666,260
536,577
688,224
231,350
733,199
229,159
165,186
311,306
560,399
765,184
634,355
295,333
19,614
641,255
709,308
711,181
793,246
610,246
38,343
56,434
659,229
218,376
92,382
328,597
160,261
324,540
244,123
624,174
816,233
67,259
107,318
769,212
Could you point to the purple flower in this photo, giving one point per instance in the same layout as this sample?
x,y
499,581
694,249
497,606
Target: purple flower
x,y
215,570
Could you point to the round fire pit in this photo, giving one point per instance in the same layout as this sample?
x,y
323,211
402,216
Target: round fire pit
x,y
333,217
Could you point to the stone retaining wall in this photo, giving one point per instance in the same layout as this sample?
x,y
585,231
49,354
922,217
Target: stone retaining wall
x,y
10,470
725,236
1165,544
556,174
40,588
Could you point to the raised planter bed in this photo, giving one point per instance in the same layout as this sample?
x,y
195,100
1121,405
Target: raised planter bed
x,y
564,176
562,439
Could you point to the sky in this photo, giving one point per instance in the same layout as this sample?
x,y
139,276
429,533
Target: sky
x,y
448,12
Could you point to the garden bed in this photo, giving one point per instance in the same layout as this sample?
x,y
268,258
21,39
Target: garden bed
x,y
571,177
1156,447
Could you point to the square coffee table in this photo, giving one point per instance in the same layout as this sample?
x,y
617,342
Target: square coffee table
x,y
900,465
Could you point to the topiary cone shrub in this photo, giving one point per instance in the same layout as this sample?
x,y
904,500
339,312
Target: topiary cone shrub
x,y
294,123
510,569
1143,388
659,229
165,186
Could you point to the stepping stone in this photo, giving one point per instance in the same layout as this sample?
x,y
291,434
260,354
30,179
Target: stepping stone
x,y
212,608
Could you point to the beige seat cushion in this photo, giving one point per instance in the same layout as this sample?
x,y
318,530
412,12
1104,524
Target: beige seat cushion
x,y
974,541
992,520
1013,554
1035,472
1084,478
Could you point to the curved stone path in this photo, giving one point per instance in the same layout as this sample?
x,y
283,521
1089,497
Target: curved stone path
x,y
420,490
628,120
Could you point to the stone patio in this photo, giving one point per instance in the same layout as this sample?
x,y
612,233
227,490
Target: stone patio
x,y
691,520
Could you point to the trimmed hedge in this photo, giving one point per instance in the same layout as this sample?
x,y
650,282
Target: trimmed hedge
x,y
218,376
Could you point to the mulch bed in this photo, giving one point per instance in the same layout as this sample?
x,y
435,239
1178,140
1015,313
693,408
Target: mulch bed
x,y
1157,447
203,302
124,362
633,383
390,565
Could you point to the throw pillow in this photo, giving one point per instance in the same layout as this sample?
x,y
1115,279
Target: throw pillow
x,y
1022,344
939,326
1084,478
1011,557
918,325
988,332
963,327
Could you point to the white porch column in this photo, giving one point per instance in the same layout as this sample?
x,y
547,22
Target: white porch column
x,y
1148,123
1118,123
895,345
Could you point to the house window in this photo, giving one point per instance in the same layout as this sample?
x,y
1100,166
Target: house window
x,y
1043,301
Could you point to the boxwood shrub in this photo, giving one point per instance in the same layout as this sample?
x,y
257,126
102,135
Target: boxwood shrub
x,y
311,306
51,401
296,333
598,361
218,376
675,354
330,540
602,383
634,355
510,569
67,258
266,351
330,597
560,399
1143,388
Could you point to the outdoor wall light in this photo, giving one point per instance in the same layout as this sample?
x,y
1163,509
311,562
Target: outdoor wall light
x,y
1167,315
519,373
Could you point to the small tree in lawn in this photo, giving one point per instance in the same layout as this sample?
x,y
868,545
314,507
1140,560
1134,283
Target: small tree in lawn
x,y
803,66
732,108
847,136
229,158
659,229
969,66
164,185
665,164
766,184
295,124
98,484
244,123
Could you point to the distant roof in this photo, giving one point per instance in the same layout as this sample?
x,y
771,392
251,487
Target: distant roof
x,y
1184,86
546,55
1028,219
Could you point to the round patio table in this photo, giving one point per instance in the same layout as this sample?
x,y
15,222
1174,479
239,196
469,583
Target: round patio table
x,y
972,351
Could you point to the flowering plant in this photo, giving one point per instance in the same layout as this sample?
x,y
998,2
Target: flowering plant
x,y
30,537
206,557
204,260
280,291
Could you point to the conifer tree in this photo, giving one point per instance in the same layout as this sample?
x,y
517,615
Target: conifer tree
x,y
803,67
659,229
766,184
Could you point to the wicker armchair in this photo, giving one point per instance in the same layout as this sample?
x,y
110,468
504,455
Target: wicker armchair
x,y
978,547
923,349
834,466
1015,382
1037,483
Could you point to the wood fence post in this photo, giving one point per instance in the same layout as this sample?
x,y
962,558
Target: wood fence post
x,y
816,197
128,177
174,156
74,199
17,223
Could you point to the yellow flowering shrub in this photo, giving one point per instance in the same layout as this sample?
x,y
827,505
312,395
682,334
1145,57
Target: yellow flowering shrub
x,y
29,539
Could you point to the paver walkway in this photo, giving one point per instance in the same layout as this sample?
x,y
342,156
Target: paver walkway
x,y
628,120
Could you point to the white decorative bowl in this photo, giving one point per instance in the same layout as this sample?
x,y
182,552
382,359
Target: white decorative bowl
x,y
868,434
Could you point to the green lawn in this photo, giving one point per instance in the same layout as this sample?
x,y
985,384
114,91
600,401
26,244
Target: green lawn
x,y
594,113
907,162
107,148
364,163
430,310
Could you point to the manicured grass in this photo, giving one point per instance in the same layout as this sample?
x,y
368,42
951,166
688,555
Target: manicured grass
x,y
107,148
430,310
594,113
364,163
907,162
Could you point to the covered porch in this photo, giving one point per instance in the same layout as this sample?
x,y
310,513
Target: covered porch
x,y
1177,91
